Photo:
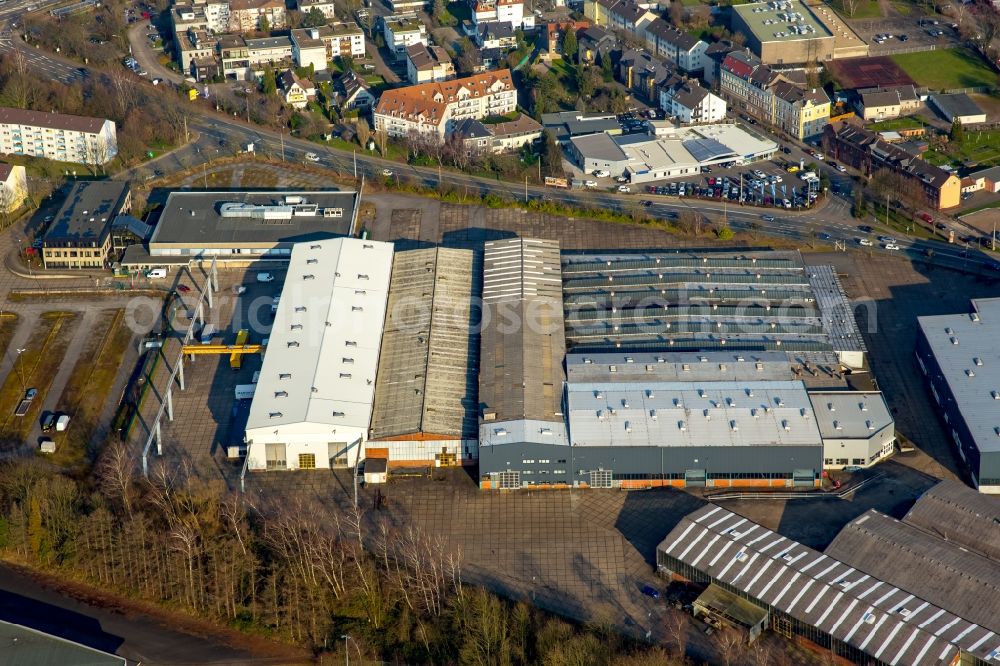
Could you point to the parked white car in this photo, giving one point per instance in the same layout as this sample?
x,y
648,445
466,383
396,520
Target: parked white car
x,y
312,157
864,242
624,189
601,173
265,277
891,246
590,183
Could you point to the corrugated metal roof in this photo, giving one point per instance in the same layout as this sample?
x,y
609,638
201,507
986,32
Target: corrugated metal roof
x,y
520,431
881,620
965,346
427,380
758,413
321,360
953,511
838,314
521,363
850,414
937,571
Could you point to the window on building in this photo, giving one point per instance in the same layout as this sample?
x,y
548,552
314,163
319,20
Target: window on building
x,y
841,461
274,455
307,461
858,461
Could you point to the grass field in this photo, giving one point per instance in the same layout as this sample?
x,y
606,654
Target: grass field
x,y
946,69
976,149
865,9
896,124
88,387
37,367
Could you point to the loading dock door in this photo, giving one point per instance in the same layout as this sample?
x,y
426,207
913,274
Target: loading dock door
x,y
803,478
694,478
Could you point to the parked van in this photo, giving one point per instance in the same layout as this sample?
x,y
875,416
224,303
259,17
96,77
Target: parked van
x,y
48,422
62,422
157,273
208,334
46,445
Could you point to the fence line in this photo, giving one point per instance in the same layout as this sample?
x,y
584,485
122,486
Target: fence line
x,y
896,50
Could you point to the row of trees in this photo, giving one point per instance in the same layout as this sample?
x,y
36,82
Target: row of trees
x,y
293,569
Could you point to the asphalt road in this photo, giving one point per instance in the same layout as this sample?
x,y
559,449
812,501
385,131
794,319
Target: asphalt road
x,y
137,637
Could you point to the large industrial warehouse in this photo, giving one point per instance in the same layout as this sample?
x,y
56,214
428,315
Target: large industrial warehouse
x,y
958,355
869,598
312,406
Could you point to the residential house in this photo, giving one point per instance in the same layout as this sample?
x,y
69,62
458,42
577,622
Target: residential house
x,y
13,187
594,44
887,103
57,136
308,49
712,59
800,112
401,32
989,177
491,59
235,58
498,137
352,92
425,64
924,183
295,92
431,110
500,11
621,15
273,51
205,69
496,36
251,15
318,46
80,233
680,48
685,100
210,15
555,32
642,73
325,6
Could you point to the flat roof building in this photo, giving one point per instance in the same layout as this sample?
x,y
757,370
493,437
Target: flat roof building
x,y
784,32
79,235
313,403
426,394
855,613
244,226
959,357
856,426
958,107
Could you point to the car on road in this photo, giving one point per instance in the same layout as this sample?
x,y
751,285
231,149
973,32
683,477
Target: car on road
x,y
890,246
647,203
624,189
156,274
824,236
183,288
387,173
650,591
601,173
864,242
792,168
865,228
48,218
265,277
312,157
887,239
767,218
941,225
903,38
841,168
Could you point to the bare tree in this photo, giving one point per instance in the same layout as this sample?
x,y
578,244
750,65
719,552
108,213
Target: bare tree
x,y
116,474
851,6
678,623
125,91
364,132
731,644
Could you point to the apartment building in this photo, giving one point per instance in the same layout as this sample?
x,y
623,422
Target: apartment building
x,y
324,6
427,64
402,32
801,112
921,181
194,45
251,15
686,101
431,110
80,233
499,137
643,73
13,187
235,57
621,15
888,103
499,11
57,136
678,47
274,51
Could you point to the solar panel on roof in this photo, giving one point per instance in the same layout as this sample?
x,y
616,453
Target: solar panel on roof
x,y
705,150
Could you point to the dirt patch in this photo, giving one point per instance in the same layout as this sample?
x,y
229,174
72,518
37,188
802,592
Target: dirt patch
x,y
985,220
869,72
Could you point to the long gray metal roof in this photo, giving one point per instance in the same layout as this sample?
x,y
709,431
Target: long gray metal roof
x,y
850,414
430,347
871,614
838,315
521,364
937,571
966,350
953,511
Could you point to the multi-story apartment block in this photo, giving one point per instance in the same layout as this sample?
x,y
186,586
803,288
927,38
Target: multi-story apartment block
x,y
685,100
194,45
641,72
80,233
401,32
251,15
318,46
498,11
801,112
621,15
274,51
427,64
13,187
680,48
211,15
431,110
235,57
921,181
325,6
57,136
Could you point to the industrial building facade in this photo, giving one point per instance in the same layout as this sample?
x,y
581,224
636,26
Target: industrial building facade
x,y
312,407
840,601
960,360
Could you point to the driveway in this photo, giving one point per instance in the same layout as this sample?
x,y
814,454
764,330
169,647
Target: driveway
x,y
147,57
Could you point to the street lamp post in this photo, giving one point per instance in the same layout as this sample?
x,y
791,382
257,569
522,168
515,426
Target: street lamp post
x,y
20,372
347,649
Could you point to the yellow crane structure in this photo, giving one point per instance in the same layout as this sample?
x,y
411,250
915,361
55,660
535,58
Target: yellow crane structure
x,y
235,351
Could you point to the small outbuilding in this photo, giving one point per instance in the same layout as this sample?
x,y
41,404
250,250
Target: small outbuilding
x,y
958,107
717,606
376,470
